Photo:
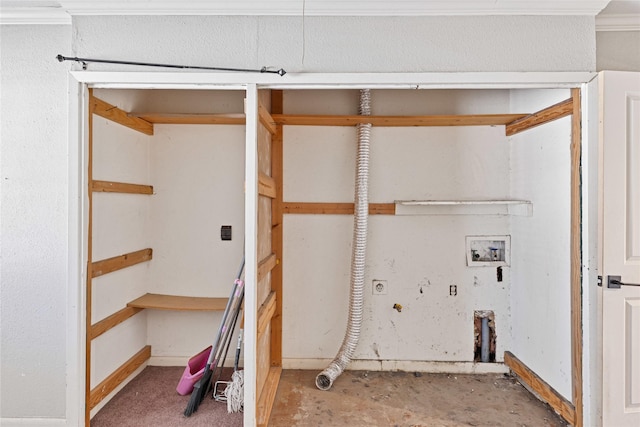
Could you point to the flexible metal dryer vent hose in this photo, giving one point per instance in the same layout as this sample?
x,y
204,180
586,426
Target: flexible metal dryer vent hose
x,y
325,379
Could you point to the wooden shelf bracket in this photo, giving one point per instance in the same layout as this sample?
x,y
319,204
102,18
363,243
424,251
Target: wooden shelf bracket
x,y
115,114
109,265
555,112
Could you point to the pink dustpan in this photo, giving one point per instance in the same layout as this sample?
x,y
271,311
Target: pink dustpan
x,y
193,372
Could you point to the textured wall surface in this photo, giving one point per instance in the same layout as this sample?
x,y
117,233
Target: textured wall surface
x,y
34,105
540,292
618,50
34,197
346,44
418,256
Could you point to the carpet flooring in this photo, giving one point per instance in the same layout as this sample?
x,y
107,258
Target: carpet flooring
x,y
151,399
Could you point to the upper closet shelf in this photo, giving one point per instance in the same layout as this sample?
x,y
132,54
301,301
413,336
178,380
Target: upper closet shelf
x,y
336,120
514,123
464,207
398,121
192,119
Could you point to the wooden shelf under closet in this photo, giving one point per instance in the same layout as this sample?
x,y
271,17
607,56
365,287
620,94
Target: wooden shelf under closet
x,y
179,303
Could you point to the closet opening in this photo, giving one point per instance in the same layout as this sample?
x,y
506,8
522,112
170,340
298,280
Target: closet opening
x,y
473,232
166,172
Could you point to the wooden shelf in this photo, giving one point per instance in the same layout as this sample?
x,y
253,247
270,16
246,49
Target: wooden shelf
x,y
173,302
120,187
464,207
397,121
270,121
191,119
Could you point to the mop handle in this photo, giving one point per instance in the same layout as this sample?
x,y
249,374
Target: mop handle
x,y
234,289
229,323
238,348
218,363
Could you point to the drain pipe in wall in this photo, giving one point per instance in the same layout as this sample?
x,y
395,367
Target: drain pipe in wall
x,y
325,379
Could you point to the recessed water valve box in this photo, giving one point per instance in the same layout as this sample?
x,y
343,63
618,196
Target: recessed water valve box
x,y
485,251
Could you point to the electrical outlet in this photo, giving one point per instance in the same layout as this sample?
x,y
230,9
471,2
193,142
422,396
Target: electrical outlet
x,y
379,287
453,290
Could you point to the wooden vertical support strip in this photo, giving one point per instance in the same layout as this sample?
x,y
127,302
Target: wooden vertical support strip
x,y
277,152
561,405
576,256
115,379
88,290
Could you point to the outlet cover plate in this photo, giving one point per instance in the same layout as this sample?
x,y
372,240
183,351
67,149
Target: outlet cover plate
x,y
379,287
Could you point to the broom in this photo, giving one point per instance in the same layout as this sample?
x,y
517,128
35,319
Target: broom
x,y
201,388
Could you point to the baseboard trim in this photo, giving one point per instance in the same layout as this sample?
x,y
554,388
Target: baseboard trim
x,y
33,422
116,390
182,361
364,365
540,388
402,365
168,361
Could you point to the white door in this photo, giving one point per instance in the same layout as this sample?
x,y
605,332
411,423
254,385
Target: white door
x,y
620,114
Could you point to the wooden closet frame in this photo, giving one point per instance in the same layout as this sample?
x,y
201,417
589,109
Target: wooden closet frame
x,y
270,122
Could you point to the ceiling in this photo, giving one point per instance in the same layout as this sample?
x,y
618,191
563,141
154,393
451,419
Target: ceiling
x,y
610,15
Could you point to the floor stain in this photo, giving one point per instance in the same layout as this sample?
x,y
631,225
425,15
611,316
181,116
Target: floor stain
x,y
364,398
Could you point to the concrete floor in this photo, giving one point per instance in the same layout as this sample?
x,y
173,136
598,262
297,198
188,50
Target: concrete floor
x,y
362,398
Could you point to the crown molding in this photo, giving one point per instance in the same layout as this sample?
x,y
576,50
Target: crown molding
x,y
34,16
610,22
60,12
335,7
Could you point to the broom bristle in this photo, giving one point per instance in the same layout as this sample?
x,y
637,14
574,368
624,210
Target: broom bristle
x,y
199,392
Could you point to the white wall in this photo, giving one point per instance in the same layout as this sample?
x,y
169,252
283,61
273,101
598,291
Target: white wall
x,y
419,256
618,50
197,173
120,225
540,291
198,177
34,215
348,44
34,129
